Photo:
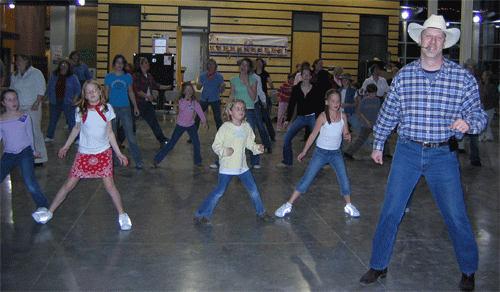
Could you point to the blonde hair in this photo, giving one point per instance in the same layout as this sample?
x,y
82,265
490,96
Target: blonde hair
x,y
337,71
332,91
226,116
83,105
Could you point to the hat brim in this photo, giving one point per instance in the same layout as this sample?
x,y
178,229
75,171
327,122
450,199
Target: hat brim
x,y
452,34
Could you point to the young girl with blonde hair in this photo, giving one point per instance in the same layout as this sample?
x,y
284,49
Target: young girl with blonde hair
x,y
94,157
233,137
330,125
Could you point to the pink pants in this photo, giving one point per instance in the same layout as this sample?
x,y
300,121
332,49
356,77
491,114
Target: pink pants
x,y
282,106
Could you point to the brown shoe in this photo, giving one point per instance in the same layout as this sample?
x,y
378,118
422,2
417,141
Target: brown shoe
x,y
203,221
154,164
372,276
266,217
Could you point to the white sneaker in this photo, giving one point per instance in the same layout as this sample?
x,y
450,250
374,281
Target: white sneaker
x,y
257,166
351,210
283,210
125,223
214,166
42,215
49,139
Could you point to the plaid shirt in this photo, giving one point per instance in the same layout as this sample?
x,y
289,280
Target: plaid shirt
x,y
424,110
141,83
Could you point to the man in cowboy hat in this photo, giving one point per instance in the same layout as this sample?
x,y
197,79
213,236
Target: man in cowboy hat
x,y
432,101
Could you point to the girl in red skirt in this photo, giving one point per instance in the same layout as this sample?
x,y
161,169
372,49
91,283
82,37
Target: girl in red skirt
x,y
94,158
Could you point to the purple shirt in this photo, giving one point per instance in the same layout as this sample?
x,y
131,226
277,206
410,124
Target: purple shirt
x,y
186,112
17,134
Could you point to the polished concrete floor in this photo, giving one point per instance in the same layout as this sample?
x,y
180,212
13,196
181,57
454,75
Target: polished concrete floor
x,y
315,248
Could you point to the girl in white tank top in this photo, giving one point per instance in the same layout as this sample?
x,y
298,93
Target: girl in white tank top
x,y
330,126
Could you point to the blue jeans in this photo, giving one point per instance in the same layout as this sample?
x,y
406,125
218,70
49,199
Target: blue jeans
x,y
266,116
474,148
26,161
55,113
320,158
215,105
176,135
353,120
254,118
299,123
148,113
264,135
208,206
124,116
441,170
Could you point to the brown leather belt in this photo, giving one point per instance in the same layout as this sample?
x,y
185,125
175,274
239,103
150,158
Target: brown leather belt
x,y
432,145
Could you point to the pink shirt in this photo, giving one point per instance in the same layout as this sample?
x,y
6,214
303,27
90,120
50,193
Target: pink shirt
x,y
186,113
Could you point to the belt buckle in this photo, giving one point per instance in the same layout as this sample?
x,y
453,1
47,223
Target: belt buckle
x,y
430,145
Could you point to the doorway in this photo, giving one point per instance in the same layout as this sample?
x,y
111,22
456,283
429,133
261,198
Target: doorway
x,y
194,52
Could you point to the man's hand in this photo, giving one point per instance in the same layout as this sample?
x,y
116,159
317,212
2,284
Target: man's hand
x,y
377,157
460,125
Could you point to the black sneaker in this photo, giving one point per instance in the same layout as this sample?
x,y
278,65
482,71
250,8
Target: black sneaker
x,y
266,217
203,221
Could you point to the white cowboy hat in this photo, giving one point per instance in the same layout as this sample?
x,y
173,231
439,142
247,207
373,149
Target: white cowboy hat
x,y
437,22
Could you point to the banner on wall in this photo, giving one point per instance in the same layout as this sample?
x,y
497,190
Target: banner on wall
x,y
247,45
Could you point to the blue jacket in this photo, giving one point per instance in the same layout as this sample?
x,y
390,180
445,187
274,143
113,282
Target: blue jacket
x,y
72,88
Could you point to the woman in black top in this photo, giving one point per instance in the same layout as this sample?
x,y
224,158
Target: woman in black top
x,y
308,100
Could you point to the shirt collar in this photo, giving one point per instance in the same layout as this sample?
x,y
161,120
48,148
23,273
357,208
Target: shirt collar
x,y
445,67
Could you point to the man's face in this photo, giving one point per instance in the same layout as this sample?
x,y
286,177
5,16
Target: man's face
x,y
432,42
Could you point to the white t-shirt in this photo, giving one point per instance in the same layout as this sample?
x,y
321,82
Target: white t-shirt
x,y
93,134
382,86
29,86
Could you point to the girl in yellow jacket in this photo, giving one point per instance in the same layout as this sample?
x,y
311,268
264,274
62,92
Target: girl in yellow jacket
x,y
233,137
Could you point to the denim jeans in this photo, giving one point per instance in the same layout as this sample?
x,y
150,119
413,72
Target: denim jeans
x,y
440,167
264,135
354,122
208,206
474,148
215,105
363,135
148,113
176,135
266,116
299,123
124,116
253,118
26,161
320,158
55,113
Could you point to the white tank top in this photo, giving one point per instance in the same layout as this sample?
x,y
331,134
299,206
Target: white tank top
x,y
330,135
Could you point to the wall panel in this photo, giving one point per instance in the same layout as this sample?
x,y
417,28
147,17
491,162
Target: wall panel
x,y
338,40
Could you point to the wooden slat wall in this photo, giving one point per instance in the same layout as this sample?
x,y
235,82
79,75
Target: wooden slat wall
x,y
339,33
